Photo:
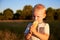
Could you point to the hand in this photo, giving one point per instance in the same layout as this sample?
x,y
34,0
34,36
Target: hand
x,y
28,35
34,26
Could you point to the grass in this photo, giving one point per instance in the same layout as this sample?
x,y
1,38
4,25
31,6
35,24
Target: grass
x,y
15,30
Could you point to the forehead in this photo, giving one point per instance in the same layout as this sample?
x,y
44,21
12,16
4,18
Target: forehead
x,y
38,12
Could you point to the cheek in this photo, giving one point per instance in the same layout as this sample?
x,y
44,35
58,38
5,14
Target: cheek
x,y
39,19
42,16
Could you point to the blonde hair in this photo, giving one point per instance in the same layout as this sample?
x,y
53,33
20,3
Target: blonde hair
x,y
39,6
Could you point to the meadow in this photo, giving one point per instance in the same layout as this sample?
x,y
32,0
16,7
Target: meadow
x,y
14,30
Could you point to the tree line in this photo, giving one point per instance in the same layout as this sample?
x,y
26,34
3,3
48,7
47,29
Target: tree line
x,y
26,14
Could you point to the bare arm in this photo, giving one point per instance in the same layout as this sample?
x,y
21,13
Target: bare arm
x,y
41,36
28,36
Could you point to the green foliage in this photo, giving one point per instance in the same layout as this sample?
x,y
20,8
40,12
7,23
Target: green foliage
x,y
27,12
58,13
50,14
8,14
16,16
1,16
0,13
19,11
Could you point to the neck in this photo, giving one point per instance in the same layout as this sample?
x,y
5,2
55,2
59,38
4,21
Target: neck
x,y
41,21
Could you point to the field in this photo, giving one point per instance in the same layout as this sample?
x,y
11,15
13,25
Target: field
x,y
14,30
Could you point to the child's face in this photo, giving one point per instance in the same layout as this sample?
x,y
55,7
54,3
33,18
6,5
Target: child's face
x,y
39,15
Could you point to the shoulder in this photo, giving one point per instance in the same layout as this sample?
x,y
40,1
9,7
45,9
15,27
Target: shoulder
x,y
27,28
47,24
29,24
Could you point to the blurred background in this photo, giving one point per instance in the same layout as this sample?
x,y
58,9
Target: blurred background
x,y
16,14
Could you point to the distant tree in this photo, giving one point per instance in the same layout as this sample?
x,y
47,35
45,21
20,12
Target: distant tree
x,y
50,14
17,14
8,14
27,12
58,13
0,13
1,16
55,16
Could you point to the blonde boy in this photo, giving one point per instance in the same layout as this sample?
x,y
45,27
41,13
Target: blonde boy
x,y
38,30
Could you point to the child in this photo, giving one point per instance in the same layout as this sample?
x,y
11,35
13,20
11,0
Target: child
x,y
38,30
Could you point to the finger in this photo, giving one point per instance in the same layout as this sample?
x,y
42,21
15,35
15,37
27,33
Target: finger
x,y
30,31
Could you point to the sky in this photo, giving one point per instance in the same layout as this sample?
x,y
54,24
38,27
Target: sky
x,y
19,4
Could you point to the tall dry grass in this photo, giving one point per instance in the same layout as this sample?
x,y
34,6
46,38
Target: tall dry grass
x,y
8,35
